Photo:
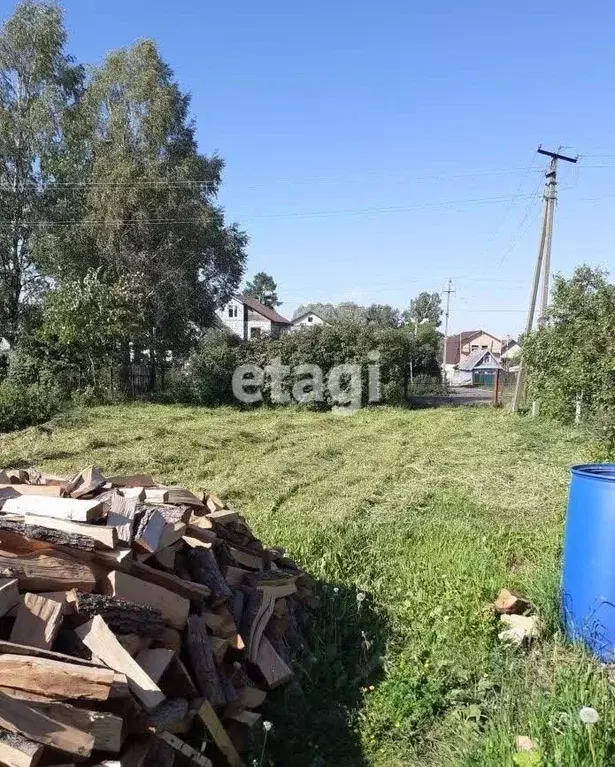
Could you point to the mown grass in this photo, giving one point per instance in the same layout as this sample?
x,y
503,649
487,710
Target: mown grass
x,y
428,513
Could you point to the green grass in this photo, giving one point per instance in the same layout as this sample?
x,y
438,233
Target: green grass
x,y
429,513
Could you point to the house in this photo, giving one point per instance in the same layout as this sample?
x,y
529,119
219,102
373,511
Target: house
x,y
511,349
248,318
308,320
459,349
479,369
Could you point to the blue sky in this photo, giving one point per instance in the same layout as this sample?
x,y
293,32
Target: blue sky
x,y
375,149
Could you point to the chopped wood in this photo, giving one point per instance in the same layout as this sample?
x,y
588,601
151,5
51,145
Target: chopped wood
x,y
121,516
132,480
86,482
223,516
203,568
51,491
58,508
121,615
17,751
184,749
149,532
246,560
103,537
140,656
156,494
19,717
16,524
155,661
180,496
105,727
214,726
170,638
274,670
172,533
55,679
213,503
99,638
200,652
47,572
38,621
174,609
170,715
9,594
509,603
259,624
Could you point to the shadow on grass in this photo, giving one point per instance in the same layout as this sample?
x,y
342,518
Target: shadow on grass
x,y
315,716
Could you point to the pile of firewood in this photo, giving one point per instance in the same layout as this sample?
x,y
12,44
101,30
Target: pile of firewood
x,y
139,623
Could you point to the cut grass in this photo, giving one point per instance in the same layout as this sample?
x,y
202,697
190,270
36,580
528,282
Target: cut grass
x,y
429,513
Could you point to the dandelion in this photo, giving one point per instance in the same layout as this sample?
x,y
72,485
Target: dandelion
x,y
361,596
589,715
336,590
267,726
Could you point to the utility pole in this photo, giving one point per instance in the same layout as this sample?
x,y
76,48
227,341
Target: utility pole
x,y
448,292
543,261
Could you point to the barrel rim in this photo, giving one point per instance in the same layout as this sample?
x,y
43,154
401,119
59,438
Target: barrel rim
x,y
600,471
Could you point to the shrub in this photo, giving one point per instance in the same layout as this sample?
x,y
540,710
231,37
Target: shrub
x,y
22,406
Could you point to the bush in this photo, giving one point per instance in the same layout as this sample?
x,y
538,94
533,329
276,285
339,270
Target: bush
x,y
22,406
207,378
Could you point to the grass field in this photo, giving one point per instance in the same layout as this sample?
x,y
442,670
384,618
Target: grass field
x,y
428,513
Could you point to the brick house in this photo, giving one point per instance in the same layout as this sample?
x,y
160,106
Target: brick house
x,y
248,318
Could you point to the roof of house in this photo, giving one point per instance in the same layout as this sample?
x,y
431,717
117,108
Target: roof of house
x,y
480,359
306,314
266,311
454,344
509,345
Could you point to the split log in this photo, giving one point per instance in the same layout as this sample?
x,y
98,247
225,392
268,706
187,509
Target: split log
x,y
203,568
121,516
201,657
106,728
47,572
193,591
155,662
87,481
9,594
103,537
122,616
214,726
58,508
38,621
51,491
150,528
17,524
170,715
174,609
274,670
99,638
132,480
17,751
56,679
176,682
184,749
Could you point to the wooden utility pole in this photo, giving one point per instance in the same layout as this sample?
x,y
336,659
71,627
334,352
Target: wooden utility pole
x,y
448,292
543,261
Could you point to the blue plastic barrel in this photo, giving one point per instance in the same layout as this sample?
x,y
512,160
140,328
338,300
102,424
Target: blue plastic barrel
x,y
588,582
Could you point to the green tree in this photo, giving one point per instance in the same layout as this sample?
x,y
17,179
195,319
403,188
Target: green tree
x,y
383,316
425,307
263,288
571,356
148,203
39,83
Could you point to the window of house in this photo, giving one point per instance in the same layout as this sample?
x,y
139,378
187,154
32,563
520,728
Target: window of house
x,y
255,333
310,319
232,311
474,347
484,346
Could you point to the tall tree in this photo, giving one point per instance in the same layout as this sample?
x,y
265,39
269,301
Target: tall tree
x,y
39,82
263,288
425,307
383,316
147,206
